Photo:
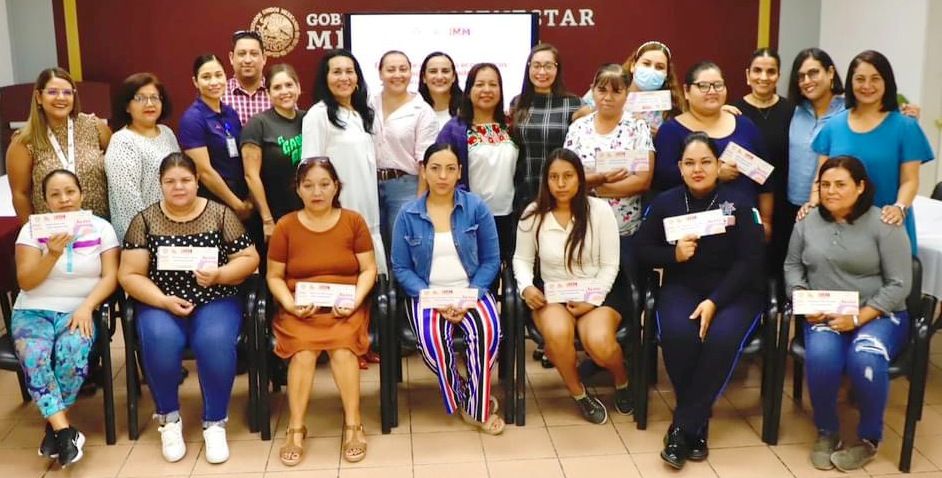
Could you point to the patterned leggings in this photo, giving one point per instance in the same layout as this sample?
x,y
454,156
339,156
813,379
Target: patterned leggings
x,y
54,359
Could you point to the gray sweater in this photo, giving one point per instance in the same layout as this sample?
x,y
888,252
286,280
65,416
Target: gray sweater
x,y
868,256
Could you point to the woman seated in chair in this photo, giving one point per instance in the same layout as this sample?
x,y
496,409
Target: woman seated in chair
x,y
321,243
184,302
448,239
571,236
712,291
63,278
844,245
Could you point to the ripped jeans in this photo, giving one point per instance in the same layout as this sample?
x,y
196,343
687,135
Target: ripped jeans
x,y
864,355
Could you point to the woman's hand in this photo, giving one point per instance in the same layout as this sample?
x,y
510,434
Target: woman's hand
x,y
841,323
534,298
615,175
207,277
268,228
578,309
686,248
245,211
816,318
892,215
82,321
177,306
910,109
453,314
57,243
341,312
300,311
705,311
728,171
804,210
731,110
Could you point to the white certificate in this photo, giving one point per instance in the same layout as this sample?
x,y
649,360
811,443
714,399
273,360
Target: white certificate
x,y
632,160
641,101
839,302
747,163
581,290
444,297
174,258
74,223
699,224
324,294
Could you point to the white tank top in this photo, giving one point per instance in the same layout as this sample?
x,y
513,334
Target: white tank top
x,y
447,270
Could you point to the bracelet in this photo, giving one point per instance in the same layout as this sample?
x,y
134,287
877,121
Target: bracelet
x,y
856,321
902,208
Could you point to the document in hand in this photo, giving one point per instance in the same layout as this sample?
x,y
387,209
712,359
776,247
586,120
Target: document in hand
x,y
838,302
641,101
175,258
749,164
699,224
75,223
581,290
632,160
325,294
444,297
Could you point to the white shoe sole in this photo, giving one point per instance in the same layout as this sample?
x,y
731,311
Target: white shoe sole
x,y
79,443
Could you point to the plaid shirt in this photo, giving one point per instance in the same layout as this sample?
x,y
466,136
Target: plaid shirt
x,y
542,132
245,104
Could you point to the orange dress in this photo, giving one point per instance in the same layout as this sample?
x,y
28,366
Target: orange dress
x,y
328,256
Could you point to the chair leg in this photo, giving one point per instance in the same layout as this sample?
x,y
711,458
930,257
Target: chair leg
x,y
520,368
507,371
797,380
134,390
107,386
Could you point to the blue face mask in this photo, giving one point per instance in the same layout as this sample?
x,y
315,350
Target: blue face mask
x,y
648,79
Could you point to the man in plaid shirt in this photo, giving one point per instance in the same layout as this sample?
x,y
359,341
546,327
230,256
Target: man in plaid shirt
x,y
246,91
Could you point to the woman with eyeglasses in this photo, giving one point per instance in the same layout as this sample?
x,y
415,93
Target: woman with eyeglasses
x,y
438,85
58,136
541,116
705,91
209,133
271,148
487,151
135,151
890,145
343,254
712,290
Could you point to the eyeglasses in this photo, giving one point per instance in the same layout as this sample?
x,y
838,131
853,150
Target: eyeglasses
x,y
811,75
153,99
704,86
64,92
543,66
324,160
247,34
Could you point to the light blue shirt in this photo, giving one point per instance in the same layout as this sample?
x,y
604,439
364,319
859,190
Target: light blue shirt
x,y
802,160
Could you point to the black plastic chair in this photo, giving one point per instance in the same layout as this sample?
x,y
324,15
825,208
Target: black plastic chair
x,y
937,191
246,350
912,362
628,336
396,333
104,320
270,367
761,345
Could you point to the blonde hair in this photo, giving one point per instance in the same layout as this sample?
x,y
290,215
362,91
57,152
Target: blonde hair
x,y
34,133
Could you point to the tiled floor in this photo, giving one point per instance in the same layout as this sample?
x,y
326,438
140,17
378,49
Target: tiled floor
x,y
555,442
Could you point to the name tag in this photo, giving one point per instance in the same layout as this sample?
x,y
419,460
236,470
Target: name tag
x,y
812,302
75,223
583,290
232,147
174,258
699,224
324,294
749,164
641,101
444,297
632,160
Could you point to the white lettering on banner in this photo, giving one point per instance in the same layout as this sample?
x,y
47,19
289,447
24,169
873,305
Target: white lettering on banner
x,y
549,16
321,39
323,19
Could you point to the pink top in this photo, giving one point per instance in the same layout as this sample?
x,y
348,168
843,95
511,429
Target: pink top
x,y
402,138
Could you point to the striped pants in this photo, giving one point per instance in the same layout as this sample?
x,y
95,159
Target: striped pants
x,y
481,328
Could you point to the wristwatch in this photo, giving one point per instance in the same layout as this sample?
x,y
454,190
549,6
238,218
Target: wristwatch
x,y
856,321
902,208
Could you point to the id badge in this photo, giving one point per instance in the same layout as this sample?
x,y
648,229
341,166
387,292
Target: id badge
x,y
232,147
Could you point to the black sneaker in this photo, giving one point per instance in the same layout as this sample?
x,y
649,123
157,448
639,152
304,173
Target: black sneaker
x,y
675,451
70,443
592,409
624,401
698,444
49,448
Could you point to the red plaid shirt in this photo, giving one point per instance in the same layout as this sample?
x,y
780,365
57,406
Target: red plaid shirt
x,y
245,104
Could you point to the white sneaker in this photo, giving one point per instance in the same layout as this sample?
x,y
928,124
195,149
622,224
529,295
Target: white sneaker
x,y
171,440
217,448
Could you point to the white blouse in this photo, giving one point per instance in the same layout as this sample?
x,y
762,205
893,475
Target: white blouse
x,y
599,258
131,164
352,153
402,137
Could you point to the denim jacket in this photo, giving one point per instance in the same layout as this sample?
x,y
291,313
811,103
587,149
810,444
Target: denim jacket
x,y
472,229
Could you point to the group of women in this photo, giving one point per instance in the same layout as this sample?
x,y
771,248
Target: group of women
x,y
450,187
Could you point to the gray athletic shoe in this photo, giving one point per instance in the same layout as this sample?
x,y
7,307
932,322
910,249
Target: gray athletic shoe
x,y
855,457
823,449
592,409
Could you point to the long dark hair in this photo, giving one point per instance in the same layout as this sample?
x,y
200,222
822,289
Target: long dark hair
x,y
546,203
454,98
794,92
882,65
176,160
358,100
466,110
521,104
858,173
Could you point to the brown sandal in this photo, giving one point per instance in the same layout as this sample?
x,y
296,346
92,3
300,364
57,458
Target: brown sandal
x,y
494,425
354,449
290,453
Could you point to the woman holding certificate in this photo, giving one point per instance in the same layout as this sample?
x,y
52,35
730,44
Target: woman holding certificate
x,y
844,245
447,239
63,278
712,288
573,239
183,258
322,246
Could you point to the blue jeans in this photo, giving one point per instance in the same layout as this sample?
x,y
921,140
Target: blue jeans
x,y
211,331
864,355
393,194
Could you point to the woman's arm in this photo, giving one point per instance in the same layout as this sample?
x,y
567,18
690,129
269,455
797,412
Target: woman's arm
x,y
104,133
33,265
252,163
748,262
124,170
366,279
211,178
650,243
488,250
132,275
606,229
241,265
20,174
908,187
796,277
766,206
402,265
426,131
636,183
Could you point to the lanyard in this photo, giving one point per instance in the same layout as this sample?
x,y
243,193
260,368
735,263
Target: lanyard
x,y
67,162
